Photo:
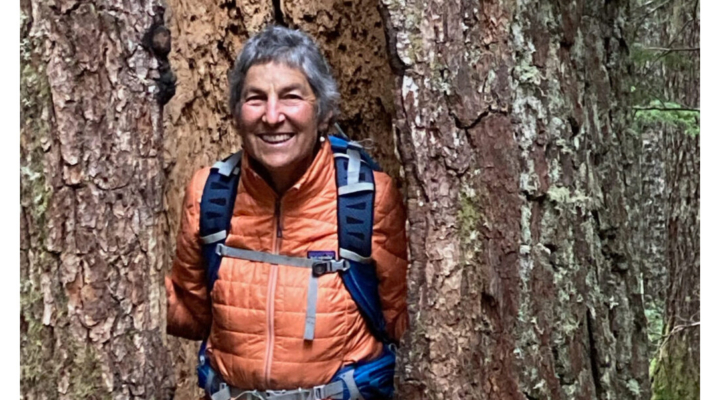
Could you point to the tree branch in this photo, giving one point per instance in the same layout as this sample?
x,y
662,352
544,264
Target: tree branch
x,y
637,108
678,328
641,18
668,50
674,330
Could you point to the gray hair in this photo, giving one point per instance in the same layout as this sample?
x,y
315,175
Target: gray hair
x,y
292,48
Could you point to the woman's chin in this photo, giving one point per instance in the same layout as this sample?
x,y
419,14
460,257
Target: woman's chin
x,y
277,165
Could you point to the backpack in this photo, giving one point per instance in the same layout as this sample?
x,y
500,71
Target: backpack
x,y
355,207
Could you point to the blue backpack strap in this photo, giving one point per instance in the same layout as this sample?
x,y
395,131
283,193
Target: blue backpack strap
x,y
370,379
356,199
216,209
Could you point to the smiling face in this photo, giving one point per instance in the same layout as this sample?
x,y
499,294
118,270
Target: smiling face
x,y
278,122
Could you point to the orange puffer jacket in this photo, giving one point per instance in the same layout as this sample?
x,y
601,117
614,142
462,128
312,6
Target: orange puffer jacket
x,y
256,319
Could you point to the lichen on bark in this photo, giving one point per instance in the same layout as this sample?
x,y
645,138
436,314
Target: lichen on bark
x,y
88,168
495,89
506,118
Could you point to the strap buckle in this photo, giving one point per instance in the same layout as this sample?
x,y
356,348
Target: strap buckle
x,y
318,392
250,395
321,266
223,393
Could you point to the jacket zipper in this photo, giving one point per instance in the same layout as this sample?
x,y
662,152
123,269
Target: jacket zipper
x,y
272,285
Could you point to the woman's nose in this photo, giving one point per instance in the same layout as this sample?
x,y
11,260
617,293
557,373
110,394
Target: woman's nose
x,y
273,113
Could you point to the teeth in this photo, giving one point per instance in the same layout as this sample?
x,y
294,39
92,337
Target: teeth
x,y
276,138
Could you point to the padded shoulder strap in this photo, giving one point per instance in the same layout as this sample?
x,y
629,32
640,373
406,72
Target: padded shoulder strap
x,y
340,146
216,209
356,199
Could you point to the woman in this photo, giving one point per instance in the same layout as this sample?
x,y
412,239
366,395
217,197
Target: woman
x,y
263,331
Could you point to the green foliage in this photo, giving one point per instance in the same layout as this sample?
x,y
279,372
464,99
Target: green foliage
x,y
662,112
672,374
654,316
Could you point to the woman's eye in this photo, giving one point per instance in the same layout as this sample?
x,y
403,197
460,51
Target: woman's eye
x,y
293,96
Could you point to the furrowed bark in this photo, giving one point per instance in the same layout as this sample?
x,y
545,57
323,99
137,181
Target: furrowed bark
x,y
510,124
92,304
675,370
521,190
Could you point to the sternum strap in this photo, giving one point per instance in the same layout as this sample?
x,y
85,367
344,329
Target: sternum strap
x,y
319,267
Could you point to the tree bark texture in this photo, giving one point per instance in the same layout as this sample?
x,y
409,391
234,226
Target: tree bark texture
x,y
92,243
509,119
522,188
513,142
653,232
670,77
676,369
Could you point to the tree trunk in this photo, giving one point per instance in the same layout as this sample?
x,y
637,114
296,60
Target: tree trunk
x,y
519,173
652,253
92,242
676,368
522,188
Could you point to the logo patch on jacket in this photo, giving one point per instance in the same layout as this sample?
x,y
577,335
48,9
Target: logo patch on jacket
x,y
321,254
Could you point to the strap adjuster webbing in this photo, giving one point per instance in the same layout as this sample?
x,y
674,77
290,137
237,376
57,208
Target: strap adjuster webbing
x,y
228,166
223,393
318,267
351,255
332,390
355,188
214,237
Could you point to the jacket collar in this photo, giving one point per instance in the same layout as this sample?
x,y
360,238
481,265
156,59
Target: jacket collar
x,y
310,184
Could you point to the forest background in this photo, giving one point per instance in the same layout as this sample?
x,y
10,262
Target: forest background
x,y
548,152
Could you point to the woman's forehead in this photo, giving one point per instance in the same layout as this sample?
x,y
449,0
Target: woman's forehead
x,y
275,76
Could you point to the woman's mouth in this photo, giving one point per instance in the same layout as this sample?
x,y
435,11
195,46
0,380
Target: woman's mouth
x,y
276,138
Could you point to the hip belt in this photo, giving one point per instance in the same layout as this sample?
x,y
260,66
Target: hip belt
x,y
330,391
366,380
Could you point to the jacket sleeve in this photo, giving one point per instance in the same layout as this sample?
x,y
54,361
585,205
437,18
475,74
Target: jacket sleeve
x,y
189,309
389,250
